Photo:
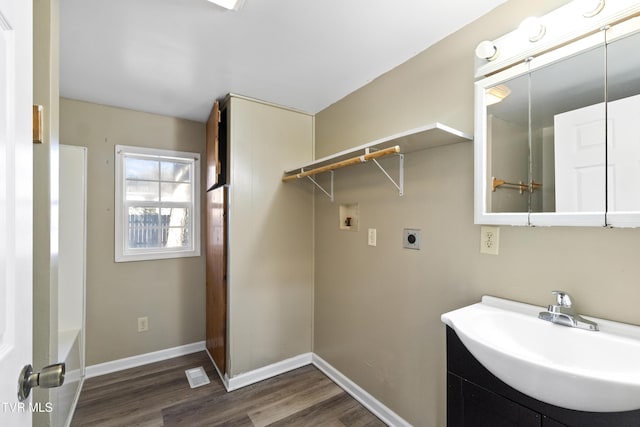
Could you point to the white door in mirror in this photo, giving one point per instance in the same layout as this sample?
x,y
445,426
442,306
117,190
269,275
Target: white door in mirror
x,y
579,159
579,162
623,155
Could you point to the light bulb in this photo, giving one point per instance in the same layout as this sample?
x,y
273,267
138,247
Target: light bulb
x,y
591,8
533,29
486,50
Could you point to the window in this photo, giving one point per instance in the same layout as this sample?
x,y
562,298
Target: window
x,y
157,208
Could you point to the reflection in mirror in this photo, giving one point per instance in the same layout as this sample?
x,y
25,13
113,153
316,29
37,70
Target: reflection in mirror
x,y
508,144
623,145
568,134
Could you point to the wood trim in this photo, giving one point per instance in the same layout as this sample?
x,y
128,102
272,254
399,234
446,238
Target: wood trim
x,y
213,147
216,280
37,124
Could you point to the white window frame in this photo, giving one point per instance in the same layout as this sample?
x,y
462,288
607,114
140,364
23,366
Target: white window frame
x,y
122,252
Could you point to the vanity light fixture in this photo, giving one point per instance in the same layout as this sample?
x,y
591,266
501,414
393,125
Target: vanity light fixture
x,y
495,94
591,7
229,4
487,50
533,29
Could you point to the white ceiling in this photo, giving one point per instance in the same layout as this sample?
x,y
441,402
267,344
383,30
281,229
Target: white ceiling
x,y
174,57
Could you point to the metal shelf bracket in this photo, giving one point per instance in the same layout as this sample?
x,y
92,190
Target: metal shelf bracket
x,y
329,194
400,184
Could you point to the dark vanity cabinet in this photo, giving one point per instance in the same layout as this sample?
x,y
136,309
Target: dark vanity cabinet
x,y
477,398
472,405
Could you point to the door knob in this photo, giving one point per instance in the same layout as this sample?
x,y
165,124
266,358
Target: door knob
x,y
50,376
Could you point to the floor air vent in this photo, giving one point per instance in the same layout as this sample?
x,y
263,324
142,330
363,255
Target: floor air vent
x,y
197,377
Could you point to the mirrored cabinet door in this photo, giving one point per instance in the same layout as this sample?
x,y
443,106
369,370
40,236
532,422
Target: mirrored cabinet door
x,y
502,161
568,135
508,138
623,118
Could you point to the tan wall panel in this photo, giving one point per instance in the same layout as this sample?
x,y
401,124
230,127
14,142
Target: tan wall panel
x,y
169,292
271,236
377,309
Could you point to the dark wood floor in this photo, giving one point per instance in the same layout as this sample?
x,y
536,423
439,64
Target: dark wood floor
x,y
159,395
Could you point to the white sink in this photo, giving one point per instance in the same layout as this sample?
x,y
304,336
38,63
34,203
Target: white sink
x,y
567,367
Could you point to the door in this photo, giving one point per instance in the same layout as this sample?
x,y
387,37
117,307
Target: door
x,y
16,205
579,159
623,156
580,183
213,147
216,304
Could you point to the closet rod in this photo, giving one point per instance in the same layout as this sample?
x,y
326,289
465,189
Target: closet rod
x,y
498,183
343,163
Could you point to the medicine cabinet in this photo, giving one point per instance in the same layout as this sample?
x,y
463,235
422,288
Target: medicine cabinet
x,y
558,134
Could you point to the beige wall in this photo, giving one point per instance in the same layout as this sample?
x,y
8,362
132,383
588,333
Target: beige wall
x,y
377,309
270,238
170,292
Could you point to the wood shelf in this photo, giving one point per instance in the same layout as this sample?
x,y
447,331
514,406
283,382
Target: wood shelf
x,y
422,138
429,136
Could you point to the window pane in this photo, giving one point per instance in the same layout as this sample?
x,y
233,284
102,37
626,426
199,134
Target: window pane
x,y
144,228
141,190
176,192
175,171
175,222
177,237
141,169
175,217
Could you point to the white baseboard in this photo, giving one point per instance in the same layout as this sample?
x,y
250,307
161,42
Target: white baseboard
x,y
224,378
251,377
142,359
368,401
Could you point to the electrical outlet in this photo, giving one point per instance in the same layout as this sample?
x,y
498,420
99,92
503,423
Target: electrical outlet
x,y
372,237
489,240
143,324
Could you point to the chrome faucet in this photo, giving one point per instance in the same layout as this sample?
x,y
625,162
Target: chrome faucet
x,y
563,313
